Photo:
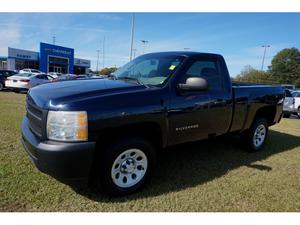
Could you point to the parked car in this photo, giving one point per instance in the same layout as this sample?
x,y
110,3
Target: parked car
x,y
289,104
54,75
25,81
110,130
296,95
3,75
32,71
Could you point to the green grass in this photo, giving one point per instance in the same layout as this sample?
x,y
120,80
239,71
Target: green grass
x,y
205,176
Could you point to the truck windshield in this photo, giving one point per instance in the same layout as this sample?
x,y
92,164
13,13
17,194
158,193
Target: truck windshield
x,y
150,69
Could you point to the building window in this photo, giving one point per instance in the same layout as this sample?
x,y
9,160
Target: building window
x,y
22,64
58,65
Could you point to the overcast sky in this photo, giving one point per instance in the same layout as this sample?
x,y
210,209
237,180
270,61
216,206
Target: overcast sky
x,y
238,37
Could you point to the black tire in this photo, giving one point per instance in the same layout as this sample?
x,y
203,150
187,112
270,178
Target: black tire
x,y
248,136
1,86
106,159
286,115
298,113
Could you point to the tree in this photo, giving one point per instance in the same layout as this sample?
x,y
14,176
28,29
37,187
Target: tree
x,y
108,70
251,75
285,67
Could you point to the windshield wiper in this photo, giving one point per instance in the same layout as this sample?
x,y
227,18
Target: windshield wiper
x,y
131,78
127,78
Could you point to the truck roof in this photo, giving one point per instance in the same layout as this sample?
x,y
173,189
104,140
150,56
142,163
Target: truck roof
x,y
183,53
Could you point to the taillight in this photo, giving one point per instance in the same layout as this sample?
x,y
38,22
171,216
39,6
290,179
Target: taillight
x,y
26,81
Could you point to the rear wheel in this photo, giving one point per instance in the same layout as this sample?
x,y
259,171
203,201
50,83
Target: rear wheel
x,y
125,166
286,115
1,86
298,112
256,136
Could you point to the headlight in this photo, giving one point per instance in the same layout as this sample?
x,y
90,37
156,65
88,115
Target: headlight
x,y
67,126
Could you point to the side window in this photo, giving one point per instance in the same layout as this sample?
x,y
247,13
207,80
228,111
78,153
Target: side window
x,y
209,70
40,77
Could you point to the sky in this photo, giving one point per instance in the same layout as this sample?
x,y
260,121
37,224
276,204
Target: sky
x,y
236,36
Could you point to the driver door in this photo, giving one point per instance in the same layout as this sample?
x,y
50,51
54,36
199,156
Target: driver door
x,y
194,115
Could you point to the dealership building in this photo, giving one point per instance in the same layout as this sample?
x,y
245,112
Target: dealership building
x,y
50,58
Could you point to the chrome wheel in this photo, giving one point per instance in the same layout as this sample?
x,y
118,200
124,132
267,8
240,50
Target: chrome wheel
x,y
129,168
259,135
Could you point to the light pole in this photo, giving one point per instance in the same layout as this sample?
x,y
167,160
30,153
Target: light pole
x,y
97,68
132,34
53,40
144,45
263,59
134,52
103,52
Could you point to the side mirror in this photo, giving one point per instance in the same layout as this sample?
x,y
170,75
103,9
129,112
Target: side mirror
x,y
194,84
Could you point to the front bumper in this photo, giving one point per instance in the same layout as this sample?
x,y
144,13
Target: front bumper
x,y
64,161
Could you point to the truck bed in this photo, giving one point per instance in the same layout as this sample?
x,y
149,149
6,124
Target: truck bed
x,y
249,98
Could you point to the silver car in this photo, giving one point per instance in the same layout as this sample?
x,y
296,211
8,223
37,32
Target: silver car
x,y
25,81
288,104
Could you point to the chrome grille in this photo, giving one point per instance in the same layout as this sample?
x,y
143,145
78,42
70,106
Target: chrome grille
x,y
34,115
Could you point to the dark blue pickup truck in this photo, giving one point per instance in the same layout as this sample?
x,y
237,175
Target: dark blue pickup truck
x,y
109,130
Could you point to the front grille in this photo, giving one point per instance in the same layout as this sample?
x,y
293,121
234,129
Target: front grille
x,y
34,115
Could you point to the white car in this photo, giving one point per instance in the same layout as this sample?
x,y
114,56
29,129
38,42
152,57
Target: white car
x,y
33,71
54,74
291,103
25,81
296,95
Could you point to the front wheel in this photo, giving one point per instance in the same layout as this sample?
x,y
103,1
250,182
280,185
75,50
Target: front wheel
x,y
126,166
256,136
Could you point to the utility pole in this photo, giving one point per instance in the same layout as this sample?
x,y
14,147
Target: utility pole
x,y
103,52
53,40
97,68
144,45
132,35
263,59
134,52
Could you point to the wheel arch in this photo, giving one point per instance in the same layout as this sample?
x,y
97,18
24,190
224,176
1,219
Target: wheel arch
x,y
267,112
151,131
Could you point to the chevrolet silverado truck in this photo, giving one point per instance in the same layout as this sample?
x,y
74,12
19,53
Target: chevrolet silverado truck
x,y
110,130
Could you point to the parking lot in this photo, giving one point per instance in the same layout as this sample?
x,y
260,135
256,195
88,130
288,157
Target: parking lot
x,y
204,176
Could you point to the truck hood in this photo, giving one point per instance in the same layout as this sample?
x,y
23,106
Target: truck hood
x,y
55,95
